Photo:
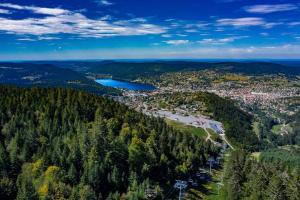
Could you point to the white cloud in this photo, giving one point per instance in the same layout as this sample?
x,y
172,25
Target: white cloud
x,y
104,2
48,38
26,39
265,9
181,35
264,34
176,42
239,22
59,21
35,9
2,11
169,20
191,30
220,40
272,24
294,23
200,25
166,35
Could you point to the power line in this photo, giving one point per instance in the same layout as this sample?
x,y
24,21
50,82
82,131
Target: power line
x,y
169,193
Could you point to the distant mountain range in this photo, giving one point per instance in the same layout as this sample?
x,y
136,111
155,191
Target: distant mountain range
x,y
74,73
132,70
46,75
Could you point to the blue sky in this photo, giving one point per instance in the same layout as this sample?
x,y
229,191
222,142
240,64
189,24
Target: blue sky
x,y
138,29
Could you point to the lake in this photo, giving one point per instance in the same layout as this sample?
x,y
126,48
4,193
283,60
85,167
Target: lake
x,y
125,85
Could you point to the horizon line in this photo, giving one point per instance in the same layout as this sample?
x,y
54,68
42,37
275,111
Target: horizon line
x,y
154,59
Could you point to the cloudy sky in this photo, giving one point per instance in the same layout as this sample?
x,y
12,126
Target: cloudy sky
x,y
136,29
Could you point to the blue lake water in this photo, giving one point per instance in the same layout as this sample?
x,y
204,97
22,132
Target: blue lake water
x,y
125,85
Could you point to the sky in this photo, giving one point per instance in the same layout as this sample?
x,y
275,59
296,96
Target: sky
x,y
149,29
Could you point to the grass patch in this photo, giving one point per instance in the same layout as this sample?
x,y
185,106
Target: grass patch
x,y
256,128
187,128
214,136
216,192
210,190
256,155
277,129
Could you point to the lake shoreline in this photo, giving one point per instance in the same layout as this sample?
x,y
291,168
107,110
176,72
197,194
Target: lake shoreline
x,y
125,85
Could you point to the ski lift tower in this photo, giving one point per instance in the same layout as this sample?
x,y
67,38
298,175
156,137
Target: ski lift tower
x,y
210,160
180,185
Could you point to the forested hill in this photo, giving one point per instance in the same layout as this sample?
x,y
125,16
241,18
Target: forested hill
x,y
66,144
28,74
133,70
72,73
237,123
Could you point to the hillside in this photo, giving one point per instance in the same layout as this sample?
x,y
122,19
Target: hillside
x,y
133,70
275,176
28,74
66,144
256,68
237,123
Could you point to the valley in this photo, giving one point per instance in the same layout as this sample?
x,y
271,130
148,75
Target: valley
x,y
217,116
149,100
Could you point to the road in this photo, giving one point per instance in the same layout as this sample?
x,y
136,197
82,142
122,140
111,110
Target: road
x,y
196,121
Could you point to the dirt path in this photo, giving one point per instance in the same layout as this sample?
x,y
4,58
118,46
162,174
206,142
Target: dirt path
x,y
209,137
223,137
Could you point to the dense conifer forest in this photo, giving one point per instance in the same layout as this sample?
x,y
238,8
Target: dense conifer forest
x,y
275,176
66,144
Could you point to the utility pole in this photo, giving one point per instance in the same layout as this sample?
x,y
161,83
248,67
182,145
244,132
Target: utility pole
x,y
210,160
180,185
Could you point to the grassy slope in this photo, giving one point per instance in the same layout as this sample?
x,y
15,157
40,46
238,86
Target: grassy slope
x,y
186,128
211,187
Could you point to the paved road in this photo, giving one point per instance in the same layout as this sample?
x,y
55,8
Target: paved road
x,y
196,121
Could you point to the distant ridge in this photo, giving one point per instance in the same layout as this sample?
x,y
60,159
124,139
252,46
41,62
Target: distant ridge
x,y
47,75
132,70
73,73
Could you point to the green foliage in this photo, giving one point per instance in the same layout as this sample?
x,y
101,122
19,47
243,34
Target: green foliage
x,y
288,157
187,128
7,188
237,123
66,144
247,178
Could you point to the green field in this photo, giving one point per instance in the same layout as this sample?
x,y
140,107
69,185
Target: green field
x,y
277,129
187,128
256,128
214,135
210,190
